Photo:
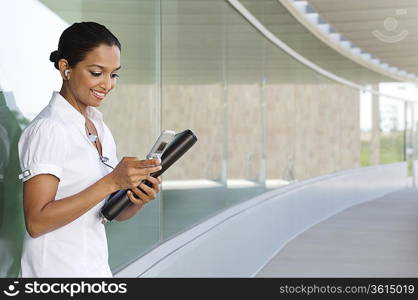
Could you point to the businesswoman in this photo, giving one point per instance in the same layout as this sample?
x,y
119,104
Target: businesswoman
x,y
69,165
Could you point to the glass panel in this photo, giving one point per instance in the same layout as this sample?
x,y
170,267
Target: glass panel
x,y
415,129
269,115
194,97
366,126
409,137
12,227
392,126
312,123
415,140
244,52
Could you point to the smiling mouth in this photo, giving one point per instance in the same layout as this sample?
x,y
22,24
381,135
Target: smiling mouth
x,y
98,94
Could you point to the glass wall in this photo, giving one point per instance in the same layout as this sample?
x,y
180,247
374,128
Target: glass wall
x,y
392,126
11,207
409,137
193,97
263,119
366,127
414,154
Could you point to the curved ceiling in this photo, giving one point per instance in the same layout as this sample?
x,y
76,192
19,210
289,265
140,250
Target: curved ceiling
x,y
285,25
386,29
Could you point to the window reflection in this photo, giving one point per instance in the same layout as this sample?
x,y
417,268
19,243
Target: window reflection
x,y
11,210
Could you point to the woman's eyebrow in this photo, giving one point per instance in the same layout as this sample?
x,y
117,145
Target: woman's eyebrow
x,y
101,67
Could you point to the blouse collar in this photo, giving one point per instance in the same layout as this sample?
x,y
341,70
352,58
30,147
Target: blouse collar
x,y
62,106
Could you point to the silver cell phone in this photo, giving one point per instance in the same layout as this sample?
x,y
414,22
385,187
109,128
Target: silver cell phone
x,y
165,138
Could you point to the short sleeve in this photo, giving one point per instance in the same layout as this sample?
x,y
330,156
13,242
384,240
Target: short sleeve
x,y
42,149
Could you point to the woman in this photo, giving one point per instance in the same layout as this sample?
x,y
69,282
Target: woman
x,y
66,154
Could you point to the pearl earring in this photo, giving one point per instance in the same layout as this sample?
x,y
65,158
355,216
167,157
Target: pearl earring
x,y
66,73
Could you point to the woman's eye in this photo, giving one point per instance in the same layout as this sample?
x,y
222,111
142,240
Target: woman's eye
x,y
97,74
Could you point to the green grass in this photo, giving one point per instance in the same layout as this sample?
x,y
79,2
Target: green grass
x,y
365,154
391,147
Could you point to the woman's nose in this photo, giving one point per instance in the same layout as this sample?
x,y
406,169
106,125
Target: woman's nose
x,y
106,83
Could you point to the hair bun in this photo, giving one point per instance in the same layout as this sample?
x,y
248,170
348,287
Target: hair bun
x,y
54,55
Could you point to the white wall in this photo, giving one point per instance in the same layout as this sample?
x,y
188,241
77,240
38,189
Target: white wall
x,y
240,240
29,32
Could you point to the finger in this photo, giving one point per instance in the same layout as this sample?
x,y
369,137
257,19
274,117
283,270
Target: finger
x,y
145,171
155,183
154,169
140,179
135,200
145,163
159,179
141,194
151,194
155,186
152,180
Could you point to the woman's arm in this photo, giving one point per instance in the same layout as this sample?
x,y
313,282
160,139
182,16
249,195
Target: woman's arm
x,y
43,214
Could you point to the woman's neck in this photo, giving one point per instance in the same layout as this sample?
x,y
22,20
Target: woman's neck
x,y
66,93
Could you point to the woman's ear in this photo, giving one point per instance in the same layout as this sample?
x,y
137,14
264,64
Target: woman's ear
x,y
64,68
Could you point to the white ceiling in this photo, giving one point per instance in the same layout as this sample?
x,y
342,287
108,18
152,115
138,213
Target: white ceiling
x,y
386,29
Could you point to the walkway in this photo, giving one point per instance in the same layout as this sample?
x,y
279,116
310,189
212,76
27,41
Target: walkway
x,y
378,238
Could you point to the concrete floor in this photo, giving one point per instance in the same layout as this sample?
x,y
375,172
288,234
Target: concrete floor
x,y
374,239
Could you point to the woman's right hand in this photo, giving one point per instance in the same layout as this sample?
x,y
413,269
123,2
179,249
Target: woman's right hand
x,y
130,171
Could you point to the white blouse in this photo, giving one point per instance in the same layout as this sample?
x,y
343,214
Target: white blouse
x,y
56,142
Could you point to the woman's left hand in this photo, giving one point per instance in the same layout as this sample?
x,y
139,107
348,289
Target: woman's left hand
x,y
144,198
140,198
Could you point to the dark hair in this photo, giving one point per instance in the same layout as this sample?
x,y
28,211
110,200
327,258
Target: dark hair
x,y
79,39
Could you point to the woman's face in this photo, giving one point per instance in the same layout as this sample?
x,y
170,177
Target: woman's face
x,y
92,78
